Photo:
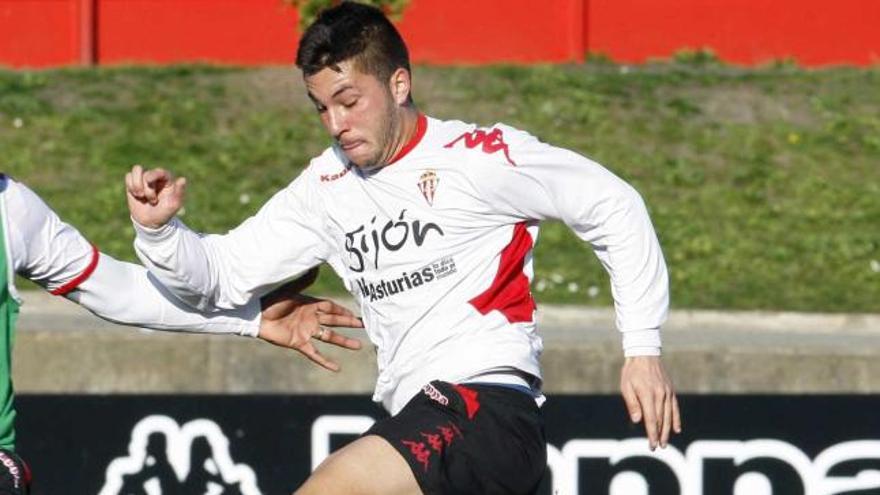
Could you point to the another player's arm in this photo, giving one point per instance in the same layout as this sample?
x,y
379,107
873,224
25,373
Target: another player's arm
x,y
57,257
552,183
127,294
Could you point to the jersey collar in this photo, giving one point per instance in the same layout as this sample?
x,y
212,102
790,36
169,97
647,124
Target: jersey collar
x,y
421,127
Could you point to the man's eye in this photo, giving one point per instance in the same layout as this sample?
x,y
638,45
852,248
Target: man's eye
x,y
320,108
350,104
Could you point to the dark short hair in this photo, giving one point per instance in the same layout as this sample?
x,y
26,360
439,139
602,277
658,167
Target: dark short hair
x,y
352,31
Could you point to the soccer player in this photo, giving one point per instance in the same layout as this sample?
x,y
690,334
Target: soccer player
x,y
431,225
36,244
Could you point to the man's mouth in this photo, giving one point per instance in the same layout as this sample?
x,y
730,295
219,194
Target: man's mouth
x,y
349,146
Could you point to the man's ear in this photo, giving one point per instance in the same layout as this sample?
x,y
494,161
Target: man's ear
x,y
400,85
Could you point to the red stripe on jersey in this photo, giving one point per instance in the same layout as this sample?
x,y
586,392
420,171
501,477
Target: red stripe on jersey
x,y
421,127
509,292
73,284
471,399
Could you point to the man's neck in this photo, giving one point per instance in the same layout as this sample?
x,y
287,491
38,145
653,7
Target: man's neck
x,y
409,121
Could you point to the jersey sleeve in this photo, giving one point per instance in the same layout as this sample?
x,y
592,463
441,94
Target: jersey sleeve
x,y
127,294
57,256
537,181
282,241
42,247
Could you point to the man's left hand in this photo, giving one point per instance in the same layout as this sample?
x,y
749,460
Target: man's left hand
x,y
291,319
650,396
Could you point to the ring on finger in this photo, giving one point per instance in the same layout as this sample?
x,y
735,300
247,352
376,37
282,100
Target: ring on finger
x,y
321,333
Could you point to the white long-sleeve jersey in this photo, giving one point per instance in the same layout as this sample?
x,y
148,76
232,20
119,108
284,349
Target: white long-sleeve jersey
x,y
435,246
42,248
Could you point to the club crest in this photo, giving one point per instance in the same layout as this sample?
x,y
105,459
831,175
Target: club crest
x,y
428,183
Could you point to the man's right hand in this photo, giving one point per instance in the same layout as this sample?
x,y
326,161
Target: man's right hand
x,y
154,196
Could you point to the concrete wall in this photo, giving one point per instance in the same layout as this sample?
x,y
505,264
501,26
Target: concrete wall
x,y
61,348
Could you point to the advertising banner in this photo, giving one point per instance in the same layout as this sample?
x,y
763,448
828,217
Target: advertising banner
x,y
185,444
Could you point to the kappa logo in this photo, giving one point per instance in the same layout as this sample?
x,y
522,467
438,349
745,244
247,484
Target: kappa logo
x,y
754,467
762,466
490,142
12,467
333,177
435,395
165,458
428,183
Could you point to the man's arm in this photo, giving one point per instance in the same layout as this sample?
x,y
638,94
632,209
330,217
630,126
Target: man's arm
x,y
283,240
538,182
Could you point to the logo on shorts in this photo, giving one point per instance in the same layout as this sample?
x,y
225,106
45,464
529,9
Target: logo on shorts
x,y
431,442
12,467
435,395
428,183
165,458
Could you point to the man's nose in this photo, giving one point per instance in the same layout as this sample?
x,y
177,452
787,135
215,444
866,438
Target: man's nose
x,y
336,122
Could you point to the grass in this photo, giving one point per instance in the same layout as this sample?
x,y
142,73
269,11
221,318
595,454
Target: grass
x,y
764,185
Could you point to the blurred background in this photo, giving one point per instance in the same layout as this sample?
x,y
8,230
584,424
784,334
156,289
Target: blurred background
x,y
751,128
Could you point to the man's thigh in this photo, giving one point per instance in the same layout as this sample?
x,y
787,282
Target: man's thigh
x,y
367,466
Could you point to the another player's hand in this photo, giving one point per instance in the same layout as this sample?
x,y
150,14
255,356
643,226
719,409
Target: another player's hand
x,y
293,320
650,397
154,196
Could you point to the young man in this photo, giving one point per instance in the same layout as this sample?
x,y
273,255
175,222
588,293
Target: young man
x,y
431,225
37,245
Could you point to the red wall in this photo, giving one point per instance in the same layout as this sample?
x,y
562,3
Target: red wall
x,y
494,31
40,33
229,31
815,32
43,33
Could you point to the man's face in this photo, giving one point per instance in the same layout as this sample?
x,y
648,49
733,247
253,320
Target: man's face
x,y
358,111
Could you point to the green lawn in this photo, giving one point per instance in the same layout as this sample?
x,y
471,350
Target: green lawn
x,y
764,185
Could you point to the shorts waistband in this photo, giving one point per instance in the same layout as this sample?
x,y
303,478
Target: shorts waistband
x,y
519,388
504,377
